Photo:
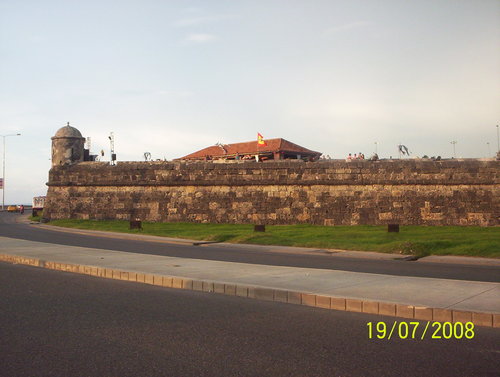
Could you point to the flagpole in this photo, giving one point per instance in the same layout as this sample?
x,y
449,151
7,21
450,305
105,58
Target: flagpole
x,y
258,147
260,141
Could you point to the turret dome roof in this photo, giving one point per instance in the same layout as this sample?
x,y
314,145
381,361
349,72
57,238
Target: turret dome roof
x,y
68,131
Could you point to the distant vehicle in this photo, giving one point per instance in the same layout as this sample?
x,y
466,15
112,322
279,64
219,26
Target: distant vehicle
x,y
12,208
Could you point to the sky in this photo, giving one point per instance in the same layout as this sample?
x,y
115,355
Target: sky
x,y
170,77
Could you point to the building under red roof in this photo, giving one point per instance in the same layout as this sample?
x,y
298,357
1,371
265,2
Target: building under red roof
x,y
276,149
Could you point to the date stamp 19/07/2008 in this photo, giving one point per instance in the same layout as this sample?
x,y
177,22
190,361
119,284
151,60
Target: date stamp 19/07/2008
x,y
420,331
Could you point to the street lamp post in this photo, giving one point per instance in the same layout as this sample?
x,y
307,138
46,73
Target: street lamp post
x,y
3,175
489,149
454,152
498,140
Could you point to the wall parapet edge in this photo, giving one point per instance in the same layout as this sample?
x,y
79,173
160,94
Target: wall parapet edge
x,y
317,173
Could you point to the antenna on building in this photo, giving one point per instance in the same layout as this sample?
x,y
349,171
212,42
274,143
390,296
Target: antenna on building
x,y
111,138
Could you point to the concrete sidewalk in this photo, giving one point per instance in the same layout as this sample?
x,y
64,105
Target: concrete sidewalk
x,y
408,297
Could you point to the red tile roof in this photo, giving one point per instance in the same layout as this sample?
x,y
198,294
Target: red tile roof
x,y
251,147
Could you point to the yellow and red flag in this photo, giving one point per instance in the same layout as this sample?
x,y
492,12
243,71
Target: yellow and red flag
x,y
260,140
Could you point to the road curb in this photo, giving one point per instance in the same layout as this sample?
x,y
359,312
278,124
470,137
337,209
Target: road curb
x,y
268,294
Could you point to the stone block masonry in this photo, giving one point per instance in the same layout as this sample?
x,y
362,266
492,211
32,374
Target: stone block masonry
x,y
407,192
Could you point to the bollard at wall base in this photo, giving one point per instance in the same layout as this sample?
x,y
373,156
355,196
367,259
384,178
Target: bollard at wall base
x,y
393,228
136,224
259,228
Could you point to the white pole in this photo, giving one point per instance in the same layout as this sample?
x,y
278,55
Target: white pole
x,y
454,152
498,140
3,174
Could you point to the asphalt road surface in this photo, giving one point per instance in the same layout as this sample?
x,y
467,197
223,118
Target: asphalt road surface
x,y
9,227
60,324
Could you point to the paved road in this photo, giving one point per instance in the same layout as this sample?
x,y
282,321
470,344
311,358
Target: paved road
x,y
9,228
60,324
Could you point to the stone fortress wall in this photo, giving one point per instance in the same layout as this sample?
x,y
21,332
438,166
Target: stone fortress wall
x,y
418,192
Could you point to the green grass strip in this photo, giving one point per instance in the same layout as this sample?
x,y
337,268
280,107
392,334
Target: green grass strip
x,y
411,240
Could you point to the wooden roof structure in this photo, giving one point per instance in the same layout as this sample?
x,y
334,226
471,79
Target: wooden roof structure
x,y
276,149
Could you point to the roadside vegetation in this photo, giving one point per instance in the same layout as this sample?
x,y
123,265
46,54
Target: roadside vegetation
x,y
35,218
38,217
411,240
